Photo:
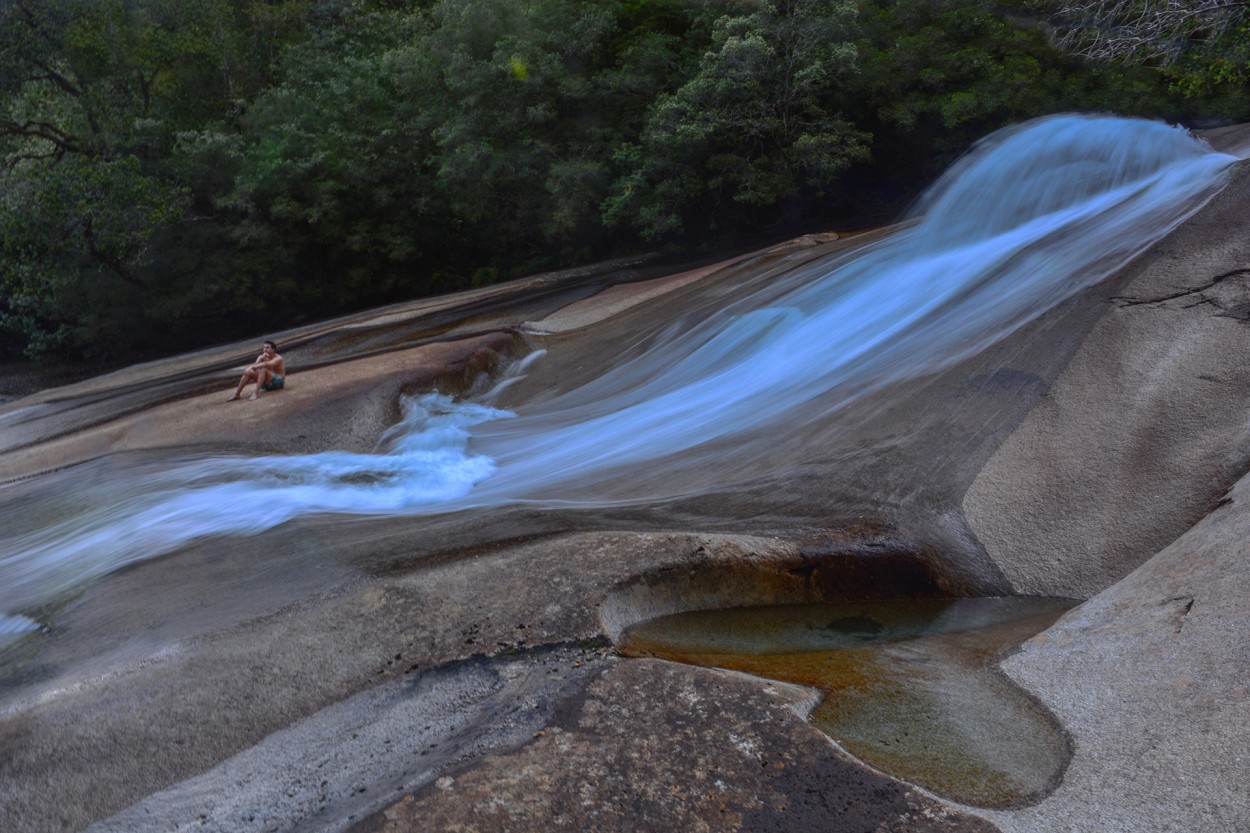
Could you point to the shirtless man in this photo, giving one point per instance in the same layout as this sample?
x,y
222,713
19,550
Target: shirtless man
x,y
268,372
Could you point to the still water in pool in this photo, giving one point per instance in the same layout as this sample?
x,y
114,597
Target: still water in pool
x,y
910,686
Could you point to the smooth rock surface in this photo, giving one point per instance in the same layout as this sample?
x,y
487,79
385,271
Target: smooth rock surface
x,y
201,690
1144,430
1150,677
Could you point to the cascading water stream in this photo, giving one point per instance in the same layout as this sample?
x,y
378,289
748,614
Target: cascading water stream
x,y
1032,215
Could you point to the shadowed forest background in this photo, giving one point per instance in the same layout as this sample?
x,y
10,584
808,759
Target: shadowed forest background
x,y
176,173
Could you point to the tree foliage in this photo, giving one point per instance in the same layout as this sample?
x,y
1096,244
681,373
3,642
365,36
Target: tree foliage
x,y
92,95
179,171
757,122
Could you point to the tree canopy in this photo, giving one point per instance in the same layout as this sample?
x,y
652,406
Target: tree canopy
x,y
183,171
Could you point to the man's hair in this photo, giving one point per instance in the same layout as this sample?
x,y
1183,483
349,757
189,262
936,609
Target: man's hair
x,y
271,344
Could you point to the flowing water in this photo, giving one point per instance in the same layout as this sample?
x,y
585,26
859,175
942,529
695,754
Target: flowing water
x,y
1030,216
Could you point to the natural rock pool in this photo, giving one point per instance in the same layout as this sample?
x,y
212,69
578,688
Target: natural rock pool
x,y
910,686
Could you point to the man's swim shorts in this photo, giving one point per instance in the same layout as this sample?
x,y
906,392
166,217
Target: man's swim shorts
x,y
275,383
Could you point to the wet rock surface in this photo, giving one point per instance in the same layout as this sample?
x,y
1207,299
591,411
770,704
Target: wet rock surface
x,y
627,761
202,690
354,758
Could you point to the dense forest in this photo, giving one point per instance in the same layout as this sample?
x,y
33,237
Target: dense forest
x,y
179,172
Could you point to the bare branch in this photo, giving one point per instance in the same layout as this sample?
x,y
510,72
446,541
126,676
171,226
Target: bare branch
x,y
1139,31
48,132
110,263
12,161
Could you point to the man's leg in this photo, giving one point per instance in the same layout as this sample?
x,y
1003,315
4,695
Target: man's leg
x,y
262,379
248,375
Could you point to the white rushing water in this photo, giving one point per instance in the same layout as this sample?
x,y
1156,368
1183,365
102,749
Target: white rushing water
x,y
1032,215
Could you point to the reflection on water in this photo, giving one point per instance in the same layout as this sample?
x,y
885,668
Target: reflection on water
x,y
908,685
1032,215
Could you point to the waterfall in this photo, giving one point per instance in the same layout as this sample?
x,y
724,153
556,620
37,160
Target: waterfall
x,y
1030,216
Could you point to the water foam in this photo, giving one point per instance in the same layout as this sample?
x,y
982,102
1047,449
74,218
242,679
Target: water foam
x,y
423,461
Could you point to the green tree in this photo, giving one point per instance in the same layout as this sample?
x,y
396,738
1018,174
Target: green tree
x,y
756,123
74,242
521,125
1217,76
330,200
78,206
92,95
939,74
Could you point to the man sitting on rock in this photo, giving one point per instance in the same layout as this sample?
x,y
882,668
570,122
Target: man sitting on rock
x,y
268,372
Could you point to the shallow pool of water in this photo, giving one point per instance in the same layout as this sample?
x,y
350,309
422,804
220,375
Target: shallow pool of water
x,y
910,686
